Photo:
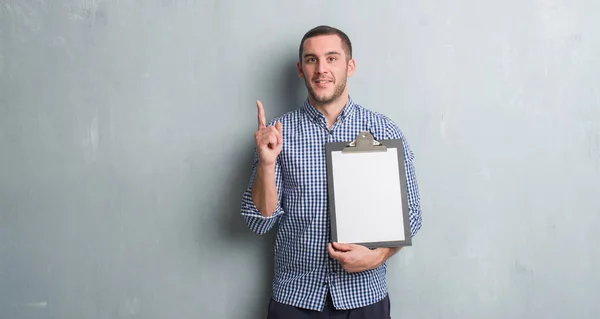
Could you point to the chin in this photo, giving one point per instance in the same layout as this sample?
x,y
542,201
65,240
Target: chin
x,y
323,98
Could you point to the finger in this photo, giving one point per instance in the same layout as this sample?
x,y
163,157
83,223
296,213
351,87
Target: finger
x,y
279,131
262,122
278,126
272,139
334,254
267,136
342,247
276,132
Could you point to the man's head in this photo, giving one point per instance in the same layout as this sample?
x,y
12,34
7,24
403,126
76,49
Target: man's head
x,y
325,63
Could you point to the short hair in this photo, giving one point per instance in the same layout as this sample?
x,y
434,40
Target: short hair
x,y
327,30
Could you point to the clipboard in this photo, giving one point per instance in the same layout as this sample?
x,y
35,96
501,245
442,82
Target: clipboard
x,y
367,192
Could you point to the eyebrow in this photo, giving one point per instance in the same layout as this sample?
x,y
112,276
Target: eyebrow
x,y
328,53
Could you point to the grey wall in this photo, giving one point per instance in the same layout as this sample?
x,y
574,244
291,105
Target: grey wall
x,y
126,135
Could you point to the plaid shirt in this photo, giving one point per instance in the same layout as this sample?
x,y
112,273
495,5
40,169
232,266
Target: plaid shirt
x,y
304,272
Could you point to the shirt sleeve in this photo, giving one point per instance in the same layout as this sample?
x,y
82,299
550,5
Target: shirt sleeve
x,y
414,201
255,221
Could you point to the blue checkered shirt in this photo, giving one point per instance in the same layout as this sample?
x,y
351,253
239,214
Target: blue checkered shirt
x,y
304,272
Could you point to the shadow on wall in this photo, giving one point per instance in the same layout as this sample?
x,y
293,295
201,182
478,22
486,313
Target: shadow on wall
x,y
233,229
287,96
293,91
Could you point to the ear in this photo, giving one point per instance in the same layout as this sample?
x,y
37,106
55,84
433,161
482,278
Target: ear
x,y
351,67
299,69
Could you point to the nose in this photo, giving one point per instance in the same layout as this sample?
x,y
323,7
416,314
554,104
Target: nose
x,y
321,67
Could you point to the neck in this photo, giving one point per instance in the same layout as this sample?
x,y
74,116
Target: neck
x,y
330,110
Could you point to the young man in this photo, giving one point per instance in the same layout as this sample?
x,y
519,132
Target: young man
x,y
313,277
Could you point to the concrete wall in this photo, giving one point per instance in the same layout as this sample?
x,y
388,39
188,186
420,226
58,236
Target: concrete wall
x,y
126,136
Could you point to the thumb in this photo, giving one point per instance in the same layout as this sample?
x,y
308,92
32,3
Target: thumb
x,y
278,126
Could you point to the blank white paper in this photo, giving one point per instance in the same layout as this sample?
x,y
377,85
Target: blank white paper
x,y
368,205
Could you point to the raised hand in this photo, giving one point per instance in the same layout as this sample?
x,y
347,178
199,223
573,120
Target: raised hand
x,y
268,139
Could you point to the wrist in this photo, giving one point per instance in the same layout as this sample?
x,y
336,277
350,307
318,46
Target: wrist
x,y
383,254
266,168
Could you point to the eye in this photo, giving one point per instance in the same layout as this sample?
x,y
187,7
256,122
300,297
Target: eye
x,y
310,60
331,59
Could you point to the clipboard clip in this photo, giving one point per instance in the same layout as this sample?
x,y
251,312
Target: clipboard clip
x,y
364,142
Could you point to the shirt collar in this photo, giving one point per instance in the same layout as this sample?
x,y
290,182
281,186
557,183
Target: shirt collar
x,y
315,114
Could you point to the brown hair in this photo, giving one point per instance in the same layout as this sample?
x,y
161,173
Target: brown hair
x,y
327,30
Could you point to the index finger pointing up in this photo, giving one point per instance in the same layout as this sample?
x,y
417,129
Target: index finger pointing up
x,y
261,115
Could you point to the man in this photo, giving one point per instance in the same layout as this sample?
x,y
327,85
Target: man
x,y
313,277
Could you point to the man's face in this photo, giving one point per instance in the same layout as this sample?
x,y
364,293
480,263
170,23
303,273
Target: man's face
x,y
325,68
